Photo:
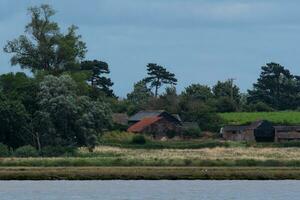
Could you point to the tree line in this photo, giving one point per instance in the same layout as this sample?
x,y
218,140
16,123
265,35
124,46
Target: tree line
x,y
69,101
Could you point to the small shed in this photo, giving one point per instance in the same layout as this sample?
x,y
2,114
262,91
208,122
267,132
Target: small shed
x,y
287,133
260,131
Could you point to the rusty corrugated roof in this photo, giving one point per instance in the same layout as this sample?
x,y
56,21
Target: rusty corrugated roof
x,y
139,126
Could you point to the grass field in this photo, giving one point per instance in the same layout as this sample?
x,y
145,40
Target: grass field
x,y
286,117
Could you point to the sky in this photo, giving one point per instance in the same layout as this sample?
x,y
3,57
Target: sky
x,y
201,41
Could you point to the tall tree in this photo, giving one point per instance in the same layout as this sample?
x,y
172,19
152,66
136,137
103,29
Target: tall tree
x,y
197,92
15,123
140,96
158,75
43,46
227,89
276,87
168,101
65,118
97,79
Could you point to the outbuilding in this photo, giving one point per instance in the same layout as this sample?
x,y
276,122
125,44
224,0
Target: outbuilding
x,y
158,124
261,131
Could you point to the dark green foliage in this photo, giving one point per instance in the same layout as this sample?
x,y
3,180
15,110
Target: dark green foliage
x,y
227,95
158,75
140,96
170,134
54,151
202,113
64,118
260,107
276,87
91,142
26,151
225,104
4,150
44,47
20,87
138,139
168,101
197,92
98,81
14,123
192,133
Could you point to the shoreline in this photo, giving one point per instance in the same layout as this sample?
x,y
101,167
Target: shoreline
x,y
149,173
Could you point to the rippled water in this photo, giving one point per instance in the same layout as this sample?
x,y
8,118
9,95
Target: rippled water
x,y
136,190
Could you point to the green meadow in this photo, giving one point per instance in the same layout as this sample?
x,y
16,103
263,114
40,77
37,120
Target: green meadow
x,y
284,117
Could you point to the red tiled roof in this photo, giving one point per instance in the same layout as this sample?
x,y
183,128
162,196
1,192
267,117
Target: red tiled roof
x,y
139,126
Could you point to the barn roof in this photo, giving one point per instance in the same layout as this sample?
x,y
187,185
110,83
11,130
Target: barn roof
x,y
139,126
145,114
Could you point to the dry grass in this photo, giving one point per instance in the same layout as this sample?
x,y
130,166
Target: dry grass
x,y
221,157
206,153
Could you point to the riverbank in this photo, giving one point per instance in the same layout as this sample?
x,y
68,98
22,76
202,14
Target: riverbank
x,y
149,173
109,163
105,156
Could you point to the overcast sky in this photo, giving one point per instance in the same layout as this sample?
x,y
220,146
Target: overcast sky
x,y
201,41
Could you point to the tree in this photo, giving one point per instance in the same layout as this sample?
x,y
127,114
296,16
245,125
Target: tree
x,y
140,95
203,114
227,89
14,123
197,92
168,101
227,96
20,87
65,118
276,87
97,80
49,49
157,76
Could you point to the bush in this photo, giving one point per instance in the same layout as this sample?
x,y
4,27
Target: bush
x,y
54,151
138,139
171,134
26,151
260,107
192,133
117,136
4,151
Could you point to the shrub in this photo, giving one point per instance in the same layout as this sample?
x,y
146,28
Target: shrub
x,y
26,151
138,139
4,151
117,136
261,107
192,133
54,151
171,134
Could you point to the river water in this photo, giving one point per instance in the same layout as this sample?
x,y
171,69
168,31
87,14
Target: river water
x,y
148,190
